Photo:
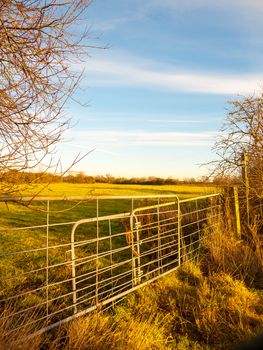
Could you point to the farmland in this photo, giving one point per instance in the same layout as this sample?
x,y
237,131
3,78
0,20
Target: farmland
x,y
191,290
32,235
15,215
102,189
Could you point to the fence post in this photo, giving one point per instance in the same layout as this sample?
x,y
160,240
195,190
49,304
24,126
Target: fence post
x,y
245,181
237,213
228,217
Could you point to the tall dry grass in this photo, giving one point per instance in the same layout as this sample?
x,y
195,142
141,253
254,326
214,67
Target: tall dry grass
x,y
10,339
240,258
214,303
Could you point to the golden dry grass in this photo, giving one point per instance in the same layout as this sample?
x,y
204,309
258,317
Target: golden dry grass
x,y
211,304
103,189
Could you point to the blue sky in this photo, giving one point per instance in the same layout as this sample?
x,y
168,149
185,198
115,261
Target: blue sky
x,y
157,96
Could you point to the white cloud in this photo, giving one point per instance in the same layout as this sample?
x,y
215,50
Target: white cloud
x,y
132,72
167,122
105,139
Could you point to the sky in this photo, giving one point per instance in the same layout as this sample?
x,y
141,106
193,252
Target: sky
x,y
158,93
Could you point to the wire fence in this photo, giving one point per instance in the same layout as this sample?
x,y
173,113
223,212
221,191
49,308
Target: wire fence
x,y
58,270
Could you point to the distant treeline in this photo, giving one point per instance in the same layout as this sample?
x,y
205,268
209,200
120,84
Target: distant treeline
x,y
16,177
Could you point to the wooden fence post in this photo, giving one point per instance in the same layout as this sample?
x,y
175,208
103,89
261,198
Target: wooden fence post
x,y
237,213
246,182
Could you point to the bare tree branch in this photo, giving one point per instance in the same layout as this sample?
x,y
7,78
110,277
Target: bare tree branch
x,y
242,133
39,41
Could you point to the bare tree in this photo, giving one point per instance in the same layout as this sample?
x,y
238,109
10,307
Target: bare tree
x,y
39,41
242,135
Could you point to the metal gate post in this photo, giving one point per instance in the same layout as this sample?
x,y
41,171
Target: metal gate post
x,y
97,256
179,230
47,259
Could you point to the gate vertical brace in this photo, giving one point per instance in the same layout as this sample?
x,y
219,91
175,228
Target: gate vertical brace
x,y
111,272
179,231
73,268
138,268
198,224
47,260
133,250
132,244
97,258
159,238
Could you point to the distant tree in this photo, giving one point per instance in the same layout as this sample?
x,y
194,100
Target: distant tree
x,y
39,42
69,179
227,180
109,178
100,179
80,177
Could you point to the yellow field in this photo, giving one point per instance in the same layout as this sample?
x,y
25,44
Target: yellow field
x,y
101,189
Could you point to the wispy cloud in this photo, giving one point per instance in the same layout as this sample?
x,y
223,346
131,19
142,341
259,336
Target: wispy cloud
x,y
118,138
149,117
178,121
120,71
83,147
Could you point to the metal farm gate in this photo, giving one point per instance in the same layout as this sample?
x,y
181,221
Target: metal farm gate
x,y
100,259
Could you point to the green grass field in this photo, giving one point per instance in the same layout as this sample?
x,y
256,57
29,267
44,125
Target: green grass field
x,y
15,215
200,307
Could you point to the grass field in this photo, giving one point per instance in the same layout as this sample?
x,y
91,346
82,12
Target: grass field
x,y
209,305
213,304
101,189
15,215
